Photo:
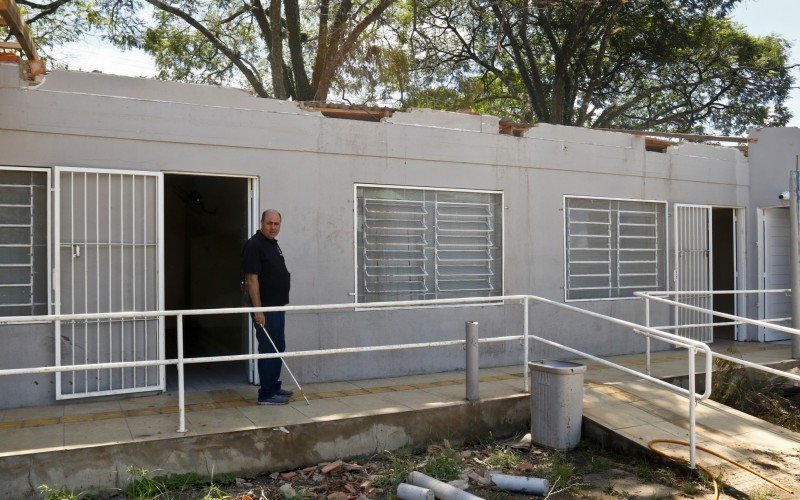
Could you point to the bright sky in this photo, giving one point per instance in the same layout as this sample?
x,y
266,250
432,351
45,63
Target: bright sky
x,y
760,17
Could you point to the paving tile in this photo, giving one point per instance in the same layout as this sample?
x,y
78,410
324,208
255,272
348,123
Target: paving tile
x,y
32,439
97,433
420,400
766,440
329,387
384,382
273,415
156,401
449,392
372,404
324,409
155,427
615,417
497,389
92,407
33,412
215,421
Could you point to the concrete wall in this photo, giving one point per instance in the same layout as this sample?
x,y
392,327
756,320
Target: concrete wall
x,y
771,158
307,166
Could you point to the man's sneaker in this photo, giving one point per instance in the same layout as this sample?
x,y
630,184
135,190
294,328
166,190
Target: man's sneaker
x,y
285,392
275,399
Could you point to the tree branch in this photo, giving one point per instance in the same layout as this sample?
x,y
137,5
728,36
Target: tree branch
x,y
254,80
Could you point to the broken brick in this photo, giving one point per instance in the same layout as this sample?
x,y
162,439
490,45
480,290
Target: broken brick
x,y
331,467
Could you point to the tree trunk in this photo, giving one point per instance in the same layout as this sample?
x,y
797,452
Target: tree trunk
x,y
302,86
276,51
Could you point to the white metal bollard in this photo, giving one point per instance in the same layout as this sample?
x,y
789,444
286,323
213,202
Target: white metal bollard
x,y
472,363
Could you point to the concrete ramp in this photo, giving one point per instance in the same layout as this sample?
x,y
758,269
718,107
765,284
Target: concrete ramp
x,y
627,413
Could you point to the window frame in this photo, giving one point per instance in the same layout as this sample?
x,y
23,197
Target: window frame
x,y
357,185
565,235
49,240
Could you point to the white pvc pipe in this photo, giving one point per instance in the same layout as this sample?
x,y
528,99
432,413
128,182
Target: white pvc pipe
x,y
520,484
441,490
410,492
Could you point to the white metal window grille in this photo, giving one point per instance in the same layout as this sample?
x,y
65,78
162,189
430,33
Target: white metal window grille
x,y
108,227
418,244
614,247
23,242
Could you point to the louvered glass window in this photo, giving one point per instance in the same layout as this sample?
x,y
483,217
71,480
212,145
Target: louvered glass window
x,y
23,242
421,244
614,247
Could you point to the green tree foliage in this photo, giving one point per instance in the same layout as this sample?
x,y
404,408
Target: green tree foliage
x,y
677,65
280,48
641,64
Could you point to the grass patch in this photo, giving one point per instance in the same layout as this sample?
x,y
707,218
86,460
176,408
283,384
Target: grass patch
x,y
503,458
59,494
400,469
443,464
753,393
143,485
562,471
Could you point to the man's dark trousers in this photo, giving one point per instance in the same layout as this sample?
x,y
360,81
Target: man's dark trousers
x,y
269,370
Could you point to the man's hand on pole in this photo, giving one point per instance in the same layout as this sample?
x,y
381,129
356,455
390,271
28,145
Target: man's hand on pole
x,y
259,318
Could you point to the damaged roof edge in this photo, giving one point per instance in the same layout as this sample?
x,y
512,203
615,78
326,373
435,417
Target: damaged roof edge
x,y
190,93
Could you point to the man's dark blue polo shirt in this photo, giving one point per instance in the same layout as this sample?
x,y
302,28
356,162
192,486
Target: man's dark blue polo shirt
x,y
263,257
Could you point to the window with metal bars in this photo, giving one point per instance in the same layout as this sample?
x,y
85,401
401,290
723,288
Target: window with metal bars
x,y
614,247
421,244
23,242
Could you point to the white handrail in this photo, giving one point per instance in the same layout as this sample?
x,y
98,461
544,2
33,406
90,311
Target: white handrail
x,y
692,345
758,322
659,297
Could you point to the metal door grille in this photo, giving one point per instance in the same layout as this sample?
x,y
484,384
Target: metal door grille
x,y
693,260
108,230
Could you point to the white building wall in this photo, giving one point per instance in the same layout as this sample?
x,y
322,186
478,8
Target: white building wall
x,y
308,165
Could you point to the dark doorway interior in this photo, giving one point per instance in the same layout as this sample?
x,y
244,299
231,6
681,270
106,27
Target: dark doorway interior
x,y
205,226
724,268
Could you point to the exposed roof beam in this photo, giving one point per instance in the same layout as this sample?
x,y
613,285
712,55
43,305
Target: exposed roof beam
x,y
9,12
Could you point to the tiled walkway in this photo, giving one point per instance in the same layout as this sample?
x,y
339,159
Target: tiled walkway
x,y
629,407
26,430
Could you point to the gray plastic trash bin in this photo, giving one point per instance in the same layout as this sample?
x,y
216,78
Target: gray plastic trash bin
x,y
556,403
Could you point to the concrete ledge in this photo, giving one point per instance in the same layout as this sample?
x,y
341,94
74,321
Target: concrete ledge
x,y
102,468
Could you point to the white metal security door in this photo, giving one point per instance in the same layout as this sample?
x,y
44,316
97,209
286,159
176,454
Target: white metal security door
x,y
108,228
693,261
776,272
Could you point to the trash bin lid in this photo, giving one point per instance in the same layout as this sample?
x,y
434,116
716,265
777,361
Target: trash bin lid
x,y
558,367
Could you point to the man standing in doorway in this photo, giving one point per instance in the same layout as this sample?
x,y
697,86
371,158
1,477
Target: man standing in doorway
x,y
268,283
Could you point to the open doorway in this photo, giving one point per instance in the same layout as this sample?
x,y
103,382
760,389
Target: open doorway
x,y
723,231
709,246
206,222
